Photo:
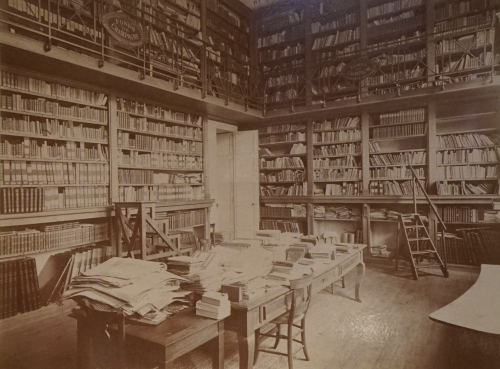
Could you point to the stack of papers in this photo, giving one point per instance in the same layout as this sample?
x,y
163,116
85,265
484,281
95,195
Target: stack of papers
x,y
241,244
323,251
222,236
137,287
184,265
213,305
284,276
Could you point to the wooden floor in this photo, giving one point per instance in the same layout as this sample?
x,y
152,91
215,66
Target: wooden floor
x,y
389,329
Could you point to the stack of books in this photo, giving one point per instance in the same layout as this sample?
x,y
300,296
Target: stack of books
x,y
184,265
213,305
379,251
221,236
323,251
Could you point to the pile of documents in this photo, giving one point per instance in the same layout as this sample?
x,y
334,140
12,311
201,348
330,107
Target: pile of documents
x,y
222,236
141,289
384,213
184,265
205,271
283,271
324,251
379,251
213,305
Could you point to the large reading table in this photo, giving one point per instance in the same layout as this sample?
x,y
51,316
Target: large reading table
x,y
249,315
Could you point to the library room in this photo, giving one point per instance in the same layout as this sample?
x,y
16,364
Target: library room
x,y
238,184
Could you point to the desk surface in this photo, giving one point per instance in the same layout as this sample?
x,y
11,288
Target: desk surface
x,y
479,307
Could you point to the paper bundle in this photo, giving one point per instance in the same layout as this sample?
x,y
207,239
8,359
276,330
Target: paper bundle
x,y
213,305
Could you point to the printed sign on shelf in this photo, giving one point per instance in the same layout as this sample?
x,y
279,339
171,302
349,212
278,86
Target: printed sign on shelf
x,y
123,29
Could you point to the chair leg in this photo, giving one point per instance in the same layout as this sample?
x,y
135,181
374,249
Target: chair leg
x,y
289,346
303,337
343,282
278,333
257,346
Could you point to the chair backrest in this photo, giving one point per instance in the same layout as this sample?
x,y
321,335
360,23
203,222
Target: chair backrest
x,y
301,296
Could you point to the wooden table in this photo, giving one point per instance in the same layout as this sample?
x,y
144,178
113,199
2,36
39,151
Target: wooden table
x,y
247,316
169,340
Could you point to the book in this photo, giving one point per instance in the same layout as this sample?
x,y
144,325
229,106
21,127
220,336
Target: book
x,y
214,298
208,314
222,309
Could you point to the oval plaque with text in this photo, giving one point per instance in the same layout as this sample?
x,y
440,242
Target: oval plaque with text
x,y
123,29
359,69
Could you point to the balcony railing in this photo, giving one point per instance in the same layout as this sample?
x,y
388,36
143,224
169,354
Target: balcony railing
x,y
174,51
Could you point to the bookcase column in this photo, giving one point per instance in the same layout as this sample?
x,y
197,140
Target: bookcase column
x,y
365,151
308,51
113,148
310,157
431,148
203,28
430,46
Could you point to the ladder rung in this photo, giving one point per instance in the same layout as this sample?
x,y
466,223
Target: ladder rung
x,y
427,266
418,239
424,252
414,226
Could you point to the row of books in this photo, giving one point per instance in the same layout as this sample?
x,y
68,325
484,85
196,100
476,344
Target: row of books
x,y
339,189
331,70
400,75
33,9
60,269
47,173
336,212
174,50
402,158
286,162
344,20
336,38
51,237
153,111
322,55
289,18
394,18
283,226
398,24
463,23
297,189
161,193
142,125
51,89
181,219
391,7
393,188
275,54
142,176
461,214
471,247
486,155
467,188
143,142
29,148
337,123
282,96
284,176
52,128
416,129
16,102
283,210
454,9
402,116
19,286
287,79
224,12
402,41
339,149
346,161
466,140
396,172
336,174
278,128
284,65
294,33
283,137
469,42
160,160
466,62
468,172
337,136
393,59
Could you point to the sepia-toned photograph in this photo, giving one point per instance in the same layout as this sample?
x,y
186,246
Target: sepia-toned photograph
x,y
239,184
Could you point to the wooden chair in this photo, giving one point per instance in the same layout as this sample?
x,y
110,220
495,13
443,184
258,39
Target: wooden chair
x,y
301,298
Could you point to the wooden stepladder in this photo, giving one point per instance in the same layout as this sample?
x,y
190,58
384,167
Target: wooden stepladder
x,y
418,242
135,220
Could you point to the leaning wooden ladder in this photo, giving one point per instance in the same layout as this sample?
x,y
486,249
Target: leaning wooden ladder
x,y
418,242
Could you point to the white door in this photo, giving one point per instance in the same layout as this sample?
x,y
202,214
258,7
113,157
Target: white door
x,y
224,212
246,183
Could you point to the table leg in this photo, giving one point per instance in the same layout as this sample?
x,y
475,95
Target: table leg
x,y
167,359
83,344
246,348
359,279
218,348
